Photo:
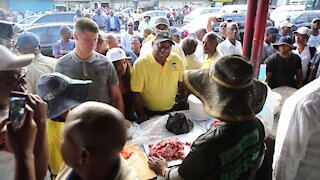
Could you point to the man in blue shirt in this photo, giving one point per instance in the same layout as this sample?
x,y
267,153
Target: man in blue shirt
x,y
65,44
100,20
113,23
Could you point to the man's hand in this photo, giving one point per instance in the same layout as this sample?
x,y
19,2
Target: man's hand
x,y
158,165
40,109
21,141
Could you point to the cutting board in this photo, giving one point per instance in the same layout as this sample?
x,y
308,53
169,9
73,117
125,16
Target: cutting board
x,y
139,161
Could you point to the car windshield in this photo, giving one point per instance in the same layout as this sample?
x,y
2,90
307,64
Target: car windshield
x,y
27,20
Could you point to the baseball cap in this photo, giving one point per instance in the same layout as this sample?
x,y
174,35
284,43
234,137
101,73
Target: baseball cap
x,y
303,31
286,24
27,41
272,30
61,93
163,36
161,20
174,31
10,61
64,29
116,54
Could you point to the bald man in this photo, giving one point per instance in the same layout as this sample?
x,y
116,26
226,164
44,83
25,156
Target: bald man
x,y
93,136
210,42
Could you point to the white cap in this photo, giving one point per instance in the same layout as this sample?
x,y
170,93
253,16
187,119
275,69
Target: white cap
x,y
303,31
10,61
286,24
116,54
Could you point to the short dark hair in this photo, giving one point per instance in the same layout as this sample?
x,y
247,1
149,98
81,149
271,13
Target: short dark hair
x,y
85,24
189,45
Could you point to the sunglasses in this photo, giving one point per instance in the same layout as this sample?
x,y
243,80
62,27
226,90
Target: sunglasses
x,y
130,25
162,28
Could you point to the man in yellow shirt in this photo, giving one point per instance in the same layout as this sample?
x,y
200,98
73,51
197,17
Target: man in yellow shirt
x,y
61,94
210,43
146,24
161,24
156,78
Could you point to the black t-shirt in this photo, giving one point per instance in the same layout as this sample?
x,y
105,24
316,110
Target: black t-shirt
x,y
230,150
283,70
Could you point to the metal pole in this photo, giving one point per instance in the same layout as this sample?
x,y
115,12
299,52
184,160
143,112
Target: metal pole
x,y
260,26
248,29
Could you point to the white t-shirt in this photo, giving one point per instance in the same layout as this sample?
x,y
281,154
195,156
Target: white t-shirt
x,y
7,163
314,40
305,59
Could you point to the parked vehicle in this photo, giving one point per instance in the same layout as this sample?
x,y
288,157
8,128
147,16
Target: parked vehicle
x,y
195,13
285,10
47,34
238,8
305,18
27,21
61,17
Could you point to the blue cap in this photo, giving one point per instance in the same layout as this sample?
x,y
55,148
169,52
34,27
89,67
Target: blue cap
x,y
284,40
272,30
27,42
174,31
64,29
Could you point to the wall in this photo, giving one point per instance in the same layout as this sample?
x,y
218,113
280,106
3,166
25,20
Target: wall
x,y
31,5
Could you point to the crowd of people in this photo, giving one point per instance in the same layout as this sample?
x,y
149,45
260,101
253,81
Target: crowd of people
x,y
81,99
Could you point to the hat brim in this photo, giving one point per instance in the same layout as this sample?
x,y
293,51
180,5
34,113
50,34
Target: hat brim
x,y
118,59
13,61
163,40
225,103
75,94
155,25
276,46
296,32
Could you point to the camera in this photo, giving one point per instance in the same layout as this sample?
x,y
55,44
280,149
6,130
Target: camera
x,y
17,108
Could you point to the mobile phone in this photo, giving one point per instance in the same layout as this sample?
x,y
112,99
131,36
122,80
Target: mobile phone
x,y
17,108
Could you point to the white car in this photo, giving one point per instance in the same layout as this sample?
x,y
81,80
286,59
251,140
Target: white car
x,y
197,23
27,21
199,11
284,11
155,14
239,8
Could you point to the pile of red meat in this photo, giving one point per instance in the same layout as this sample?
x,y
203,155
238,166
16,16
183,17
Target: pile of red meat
x,y
169,149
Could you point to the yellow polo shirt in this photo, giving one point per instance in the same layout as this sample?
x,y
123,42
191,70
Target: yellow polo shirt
x,y
206,63
157,84
54,137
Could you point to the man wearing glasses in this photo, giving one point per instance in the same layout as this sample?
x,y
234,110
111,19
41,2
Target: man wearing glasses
x,y
156,78
126,37
161,24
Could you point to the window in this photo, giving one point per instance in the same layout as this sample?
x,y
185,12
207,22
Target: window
x,y
47,19
302,19
312,16
41,33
